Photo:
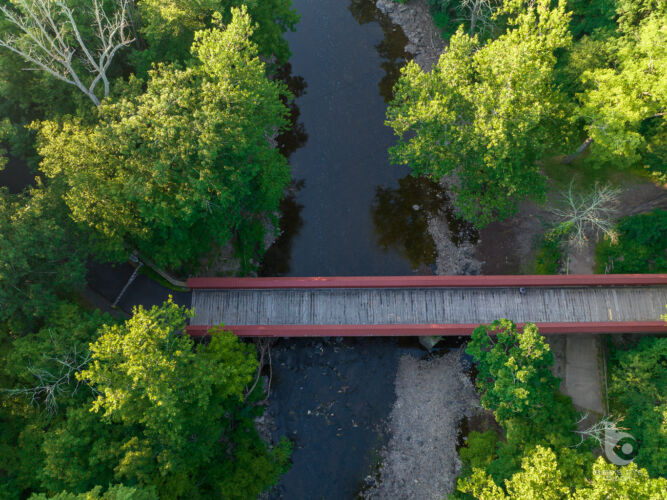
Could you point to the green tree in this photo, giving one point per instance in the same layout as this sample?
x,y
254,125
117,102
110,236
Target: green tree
x,y
187,429
542,478
640,247
515,381
116,492
637,382
624,100
40,259
514,372
184,165
7,133
38,387
486,114
168,26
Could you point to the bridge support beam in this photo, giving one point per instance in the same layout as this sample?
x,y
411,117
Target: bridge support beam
x,y
425,330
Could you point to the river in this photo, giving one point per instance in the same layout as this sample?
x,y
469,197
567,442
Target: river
x,y
350,213
348,61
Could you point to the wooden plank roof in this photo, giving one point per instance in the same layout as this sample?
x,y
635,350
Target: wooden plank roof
x,y
391,305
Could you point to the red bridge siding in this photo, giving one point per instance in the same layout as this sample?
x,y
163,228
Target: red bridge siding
x,y
431,281
370,282
424,330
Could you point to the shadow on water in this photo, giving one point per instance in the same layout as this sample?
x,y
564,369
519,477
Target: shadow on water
x,y
401,218
276,261
295,136
392,47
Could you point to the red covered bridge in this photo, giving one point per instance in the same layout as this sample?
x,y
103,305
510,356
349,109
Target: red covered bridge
x,y
427,305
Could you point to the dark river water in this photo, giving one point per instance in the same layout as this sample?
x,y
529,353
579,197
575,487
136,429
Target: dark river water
x,y
348,55
350,212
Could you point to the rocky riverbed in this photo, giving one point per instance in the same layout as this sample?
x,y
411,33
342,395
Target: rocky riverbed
x,y
421,461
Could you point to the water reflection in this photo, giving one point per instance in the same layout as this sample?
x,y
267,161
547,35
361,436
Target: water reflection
x,y
392,47
401,219
295,136
276,261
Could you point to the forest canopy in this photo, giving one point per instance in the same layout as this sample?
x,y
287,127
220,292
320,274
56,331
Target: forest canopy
x,y
497,107
149,135
182,165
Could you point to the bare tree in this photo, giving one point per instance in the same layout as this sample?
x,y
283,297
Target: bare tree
x,y
50,383
602,431
478,12
592,212
263,346
51,38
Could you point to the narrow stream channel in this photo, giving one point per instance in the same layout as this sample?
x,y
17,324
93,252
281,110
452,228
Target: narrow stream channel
x,y
350,212
349,56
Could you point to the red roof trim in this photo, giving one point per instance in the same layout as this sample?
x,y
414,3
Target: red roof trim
x,y
425,330
431,281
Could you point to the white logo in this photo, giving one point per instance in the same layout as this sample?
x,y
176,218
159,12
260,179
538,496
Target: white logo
x,y
620,448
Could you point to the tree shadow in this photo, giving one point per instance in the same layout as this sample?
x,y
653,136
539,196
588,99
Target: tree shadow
x,y
401,218
392,47
276,261
295,136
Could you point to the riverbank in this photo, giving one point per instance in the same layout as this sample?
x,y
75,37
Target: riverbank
x,y
421,459
425,43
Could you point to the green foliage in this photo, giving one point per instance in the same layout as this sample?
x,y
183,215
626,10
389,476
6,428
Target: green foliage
x,y
151,410
514,372
542,478
540,461
486,114
169,26
623,100
40,260
38,387
448,15
182,166
590,16
116,492
549,256
480,450
184,427
81,452
7,133
637,382
515,380
640,247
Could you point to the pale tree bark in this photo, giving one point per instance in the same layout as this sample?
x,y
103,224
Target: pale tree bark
x,y
584,146
51,38
478,12
590,213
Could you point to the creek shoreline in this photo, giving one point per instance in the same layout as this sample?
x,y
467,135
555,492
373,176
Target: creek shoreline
x,y
426,45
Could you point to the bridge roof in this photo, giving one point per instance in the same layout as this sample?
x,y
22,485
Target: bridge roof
x,y
427,305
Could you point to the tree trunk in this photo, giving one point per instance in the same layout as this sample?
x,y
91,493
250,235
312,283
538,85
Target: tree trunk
x,y
584,146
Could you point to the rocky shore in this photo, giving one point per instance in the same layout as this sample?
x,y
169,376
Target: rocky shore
x,y
421,460
426,45
414,18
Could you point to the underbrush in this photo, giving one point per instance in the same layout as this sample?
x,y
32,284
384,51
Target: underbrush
x,y
641,246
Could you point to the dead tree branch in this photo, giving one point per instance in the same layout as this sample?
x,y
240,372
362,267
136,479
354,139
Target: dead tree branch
x,y
53,382
51,38
590,213
263,346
